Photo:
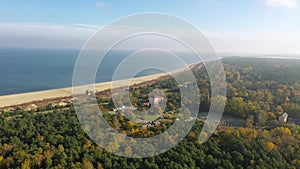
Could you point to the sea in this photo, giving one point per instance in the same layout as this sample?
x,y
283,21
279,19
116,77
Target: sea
x,y
29,70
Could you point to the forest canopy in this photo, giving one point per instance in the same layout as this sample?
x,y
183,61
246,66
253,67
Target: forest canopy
x,y
259,91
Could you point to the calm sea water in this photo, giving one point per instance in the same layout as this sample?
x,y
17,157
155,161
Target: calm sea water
x,y
27,70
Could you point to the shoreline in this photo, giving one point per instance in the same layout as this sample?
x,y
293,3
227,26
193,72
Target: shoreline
x,y
56,95
26,98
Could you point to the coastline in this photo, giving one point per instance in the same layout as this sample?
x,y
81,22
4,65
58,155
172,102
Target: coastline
x,y
54,95
23,98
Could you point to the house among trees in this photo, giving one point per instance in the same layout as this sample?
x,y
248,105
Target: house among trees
x,y
155,99
283,117
147,104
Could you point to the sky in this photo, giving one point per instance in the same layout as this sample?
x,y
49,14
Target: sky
x,y
264,27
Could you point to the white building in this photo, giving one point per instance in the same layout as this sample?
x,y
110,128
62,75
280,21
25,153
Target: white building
x,y
155,99
283,117
127,108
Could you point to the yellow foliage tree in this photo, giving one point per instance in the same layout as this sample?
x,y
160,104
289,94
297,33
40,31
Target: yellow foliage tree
x,y
26,164
86,164
279,109
100,166
269,146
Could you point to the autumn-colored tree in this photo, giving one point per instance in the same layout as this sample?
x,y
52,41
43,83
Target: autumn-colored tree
x,y
269,146
86,164
279,109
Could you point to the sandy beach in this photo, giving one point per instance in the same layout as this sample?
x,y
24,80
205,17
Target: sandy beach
x,y
17,99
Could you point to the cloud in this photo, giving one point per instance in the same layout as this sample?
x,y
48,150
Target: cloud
x,y
87,26
257,43
101,5
281,3
74,37
44,36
